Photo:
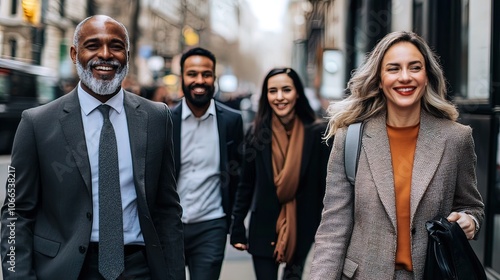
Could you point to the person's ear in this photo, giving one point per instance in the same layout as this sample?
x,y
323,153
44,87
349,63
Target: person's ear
x,y
73,54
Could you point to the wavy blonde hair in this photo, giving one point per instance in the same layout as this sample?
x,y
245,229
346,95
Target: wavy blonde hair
x,y
366,99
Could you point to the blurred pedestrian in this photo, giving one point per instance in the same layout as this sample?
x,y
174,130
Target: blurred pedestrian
x,y
162,94
131,84
283,179
415,162
207,136
66,85
95,194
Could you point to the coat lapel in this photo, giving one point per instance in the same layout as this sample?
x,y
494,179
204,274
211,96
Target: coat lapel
x,y
375,143
428,154
176,119
306,149
267,158
72,127
221,125
137,122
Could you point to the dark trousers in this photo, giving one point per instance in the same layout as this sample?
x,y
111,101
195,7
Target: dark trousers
x,y
136,265
267,268
204,247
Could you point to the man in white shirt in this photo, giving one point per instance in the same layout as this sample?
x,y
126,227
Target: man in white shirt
x,y
207,139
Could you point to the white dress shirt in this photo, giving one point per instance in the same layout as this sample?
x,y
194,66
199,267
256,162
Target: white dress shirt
x,y
199,183
92,124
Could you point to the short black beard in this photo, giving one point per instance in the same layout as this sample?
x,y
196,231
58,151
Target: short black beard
x,y
197,100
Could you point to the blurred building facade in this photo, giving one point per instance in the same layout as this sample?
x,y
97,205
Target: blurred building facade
x,y
42,37
159,32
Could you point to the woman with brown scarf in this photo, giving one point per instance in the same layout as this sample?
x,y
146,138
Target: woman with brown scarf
x,y
283,179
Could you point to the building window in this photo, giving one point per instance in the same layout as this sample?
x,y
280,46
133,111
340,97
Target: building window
x,y
460,33
13,47
61,8
495,53
13,7
367,23
495,235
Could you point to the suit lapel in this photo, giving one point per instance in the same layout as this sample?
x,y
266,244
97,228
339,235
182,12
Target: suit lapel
x,y
177,119
221,125
375,143
137,121
428,154
72,127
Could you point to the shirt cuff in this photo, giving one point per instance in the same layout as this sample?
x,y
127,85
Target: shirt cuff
x,y
475,222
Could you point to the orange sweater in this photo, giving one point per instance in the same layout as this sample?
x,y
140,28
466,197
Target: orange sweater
x,y
403,141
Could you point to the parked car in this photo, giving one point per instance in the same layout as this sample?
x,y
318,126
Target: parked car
x,y
22,86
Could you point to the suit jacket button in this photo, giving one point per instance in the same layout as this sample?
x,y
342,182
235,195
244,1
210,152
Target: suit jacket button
x,y
89,216
273,243
82,249
413,231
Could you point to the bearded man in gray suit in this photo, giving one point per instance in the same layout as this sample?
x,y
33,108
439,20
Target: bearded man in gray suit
x,y
56,155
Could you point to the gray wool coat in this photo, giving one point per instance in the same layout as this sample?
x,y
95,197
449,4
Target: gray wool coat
x,y
357,237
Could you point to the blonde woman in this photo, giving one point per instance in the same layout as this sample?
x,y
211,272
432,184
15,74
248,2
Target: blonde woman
x,y
416,162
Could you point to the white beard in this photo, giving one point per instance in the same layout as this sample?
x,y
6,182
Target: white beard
x,y
101,87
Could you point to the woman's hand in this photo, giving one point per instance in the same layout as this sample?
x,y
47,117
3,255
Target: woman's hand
x,y
465,222
240,246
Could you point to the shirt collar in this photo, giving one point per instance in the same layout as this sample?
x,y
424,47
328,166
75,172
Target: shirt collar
x,y
186,112
88,103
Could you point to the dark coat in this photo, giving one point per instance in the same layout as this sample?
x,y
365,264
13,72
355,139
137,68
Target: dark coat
x,y
257,193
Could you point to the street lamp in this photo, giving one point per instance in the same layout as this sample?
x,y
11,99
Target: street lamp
x,y
190,36
31,11
32,14
155,65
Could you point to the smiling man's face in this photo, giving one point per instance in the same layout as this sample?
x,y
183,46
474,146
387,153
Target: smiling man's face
x,y
101,56
198,79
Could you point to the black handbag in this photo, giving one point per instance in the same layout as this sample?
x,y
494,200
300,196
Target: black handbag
x,y
449,254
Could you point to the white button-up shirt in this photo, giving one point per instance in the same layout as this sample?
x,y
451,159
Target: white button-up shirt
x,y
92,124
199,183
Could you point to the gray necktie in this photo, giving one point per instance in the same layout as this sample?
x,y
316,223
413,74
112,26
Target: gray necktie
x,y
111,259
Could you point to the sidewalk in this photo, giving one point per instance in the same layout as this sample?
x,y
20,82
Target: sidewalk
x,y
238,265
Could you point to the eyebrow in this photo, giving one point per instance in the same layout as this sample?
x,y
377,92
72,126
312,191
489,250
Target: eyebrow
x,y
397,64
199,71
285,86
97,40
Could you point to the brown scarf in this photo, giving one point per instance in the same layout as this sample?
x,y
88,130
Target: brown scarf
x,y
286,157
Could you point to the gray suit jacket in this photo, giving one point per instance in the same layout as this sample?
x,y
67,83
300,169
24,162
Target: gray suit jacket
x,y
357,237
53,191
